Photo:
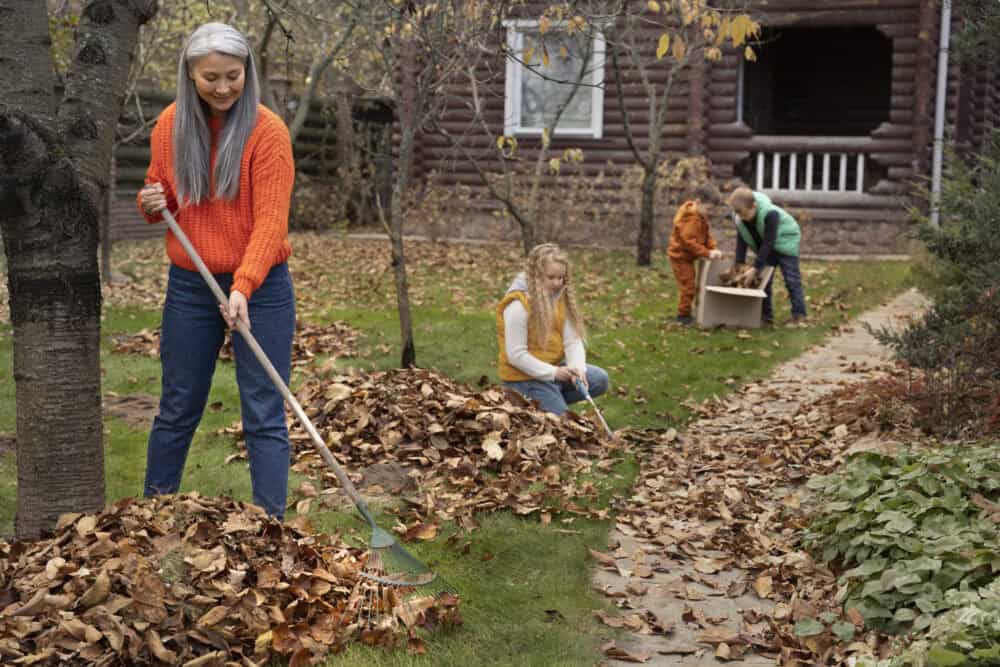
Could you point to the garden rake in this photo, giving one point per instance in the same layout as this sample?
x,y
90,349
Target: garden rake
x,y
586,393
394,572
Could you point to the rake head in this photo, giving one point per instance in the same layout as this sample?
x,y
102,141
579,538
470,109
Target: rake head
x,y
397,585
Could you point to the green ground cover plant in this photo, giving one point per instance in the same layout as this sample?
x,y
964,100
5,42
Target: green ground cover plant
x,y
526,594
911,533
967,636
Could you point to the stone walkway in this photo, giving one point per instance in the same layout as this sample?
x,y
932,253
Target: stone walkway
x,y
819,371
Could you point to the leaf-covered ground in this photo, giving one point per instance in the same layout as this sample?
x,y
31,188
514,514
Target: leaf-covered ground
x,y
524,578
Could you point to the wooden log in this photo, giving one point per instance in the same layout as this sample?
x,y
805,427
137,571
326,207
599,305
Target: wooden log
x,y
721,116
125,155
887,130
729,130
722,101
724,74
131,175
841,200
901,102
808,144
727,157
893,159
838,17
901,116
899,30
726,88
895,212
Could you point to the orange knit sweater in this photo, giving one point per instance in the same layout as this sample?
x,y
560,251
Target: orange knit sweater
x,y
245,236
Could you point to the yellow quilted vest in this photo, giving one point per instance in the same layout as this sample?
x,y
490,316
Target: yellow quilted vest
x,y
551,353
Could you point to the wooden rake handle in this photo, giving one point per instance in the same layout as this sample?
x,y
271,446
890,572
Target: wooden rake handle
x,y
272,373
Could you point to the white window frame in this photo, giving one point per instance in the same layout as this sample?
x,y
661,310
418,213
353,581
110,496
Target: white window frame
x,y
515,70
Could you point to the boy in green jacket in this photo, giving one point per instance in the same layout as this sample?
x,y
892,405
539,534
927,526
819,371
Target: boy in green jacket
x,y
773,234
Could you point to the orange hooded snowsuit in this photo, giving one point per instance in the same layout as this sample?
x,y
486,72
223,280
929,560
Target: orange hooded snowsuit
x,y
690,239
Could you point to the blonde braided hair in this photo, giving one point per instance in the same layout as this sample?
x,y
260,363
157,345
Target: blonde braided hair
x,y
541,307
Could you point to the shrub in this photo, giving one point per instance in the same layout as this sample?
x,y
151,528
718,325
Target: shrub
x,y
958,341
910,533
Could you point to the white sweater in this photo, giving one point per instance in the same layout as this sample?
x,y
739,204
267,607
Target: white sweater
x,y
515,327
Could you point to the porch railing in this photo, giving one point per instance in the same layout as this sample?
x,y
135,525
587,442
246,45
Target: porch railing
x,y
810,164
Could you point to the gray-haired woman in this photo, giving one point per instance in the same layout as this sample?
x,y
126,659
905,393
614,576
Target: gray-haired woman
x,y
223,164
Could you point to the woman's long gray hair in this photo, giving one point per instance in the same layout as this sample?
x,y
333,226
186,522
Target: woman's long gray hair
x,y
192,138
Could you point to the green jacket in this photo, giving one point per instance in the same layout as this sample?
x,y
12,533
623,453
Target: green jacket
x,y
788,236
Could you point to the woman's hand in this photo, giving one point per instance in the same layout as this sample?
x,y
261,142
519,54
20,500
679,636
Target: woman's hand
x,y
152,198
237,311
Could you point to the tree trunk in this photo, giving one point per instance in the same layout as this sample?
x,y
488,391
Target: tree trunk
x,y
394,226
644,247
55,161
408,353
527,236
347,150
409,103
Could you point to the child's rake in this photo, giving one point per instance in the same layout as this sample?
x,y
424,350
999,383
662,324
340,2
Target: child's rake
x,y
586,393
393,572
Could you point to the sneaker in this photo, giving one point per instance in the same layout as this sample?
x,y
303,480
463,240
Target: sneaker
x,y
767,324
685,320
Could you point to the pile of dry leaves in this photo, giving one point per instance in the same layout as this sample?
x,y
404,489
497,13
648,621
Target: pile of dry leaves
x,y
727,496
459,451
337,339
188,580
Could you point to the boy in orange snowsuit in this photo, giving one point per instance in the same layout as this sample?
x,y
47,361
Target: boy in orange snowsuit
x,y
690,239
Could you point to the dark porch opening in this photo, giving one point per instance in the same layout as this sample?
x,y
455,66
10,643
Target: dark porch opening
x,y
818,81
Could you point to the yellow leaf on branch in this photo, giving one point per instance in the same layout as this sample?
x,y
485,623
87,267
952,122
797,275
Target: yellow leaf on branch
x,y
679,48
663,46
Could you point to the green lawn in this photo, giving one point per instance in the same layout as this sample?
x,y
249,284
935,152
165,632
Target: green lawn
x,y
525,587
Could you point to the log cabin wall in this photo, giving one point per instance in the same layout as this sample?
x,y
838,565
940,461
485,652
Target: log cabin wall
x,y
978,111
850,190
606,158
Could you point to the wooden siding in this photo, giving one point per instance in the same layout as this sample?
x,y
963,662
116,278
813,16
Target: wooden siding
x,y
703,117
610,155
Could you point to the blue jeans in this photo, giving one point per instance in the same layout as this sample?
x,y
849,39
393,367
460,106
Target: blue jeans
x,y
554,396
789,266
192,333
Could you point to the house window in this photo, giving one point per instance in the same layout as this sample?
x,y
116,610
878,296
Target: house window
x,y
534,94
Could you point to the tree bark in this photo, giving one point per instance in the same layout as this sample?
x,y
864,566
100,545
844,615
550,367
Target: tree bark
x,y
347,154
54,161
644,245
412,102
408,353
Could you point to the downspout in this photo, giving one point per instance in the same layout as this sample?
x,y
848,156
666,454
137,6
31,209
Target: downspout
x,y
939,112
